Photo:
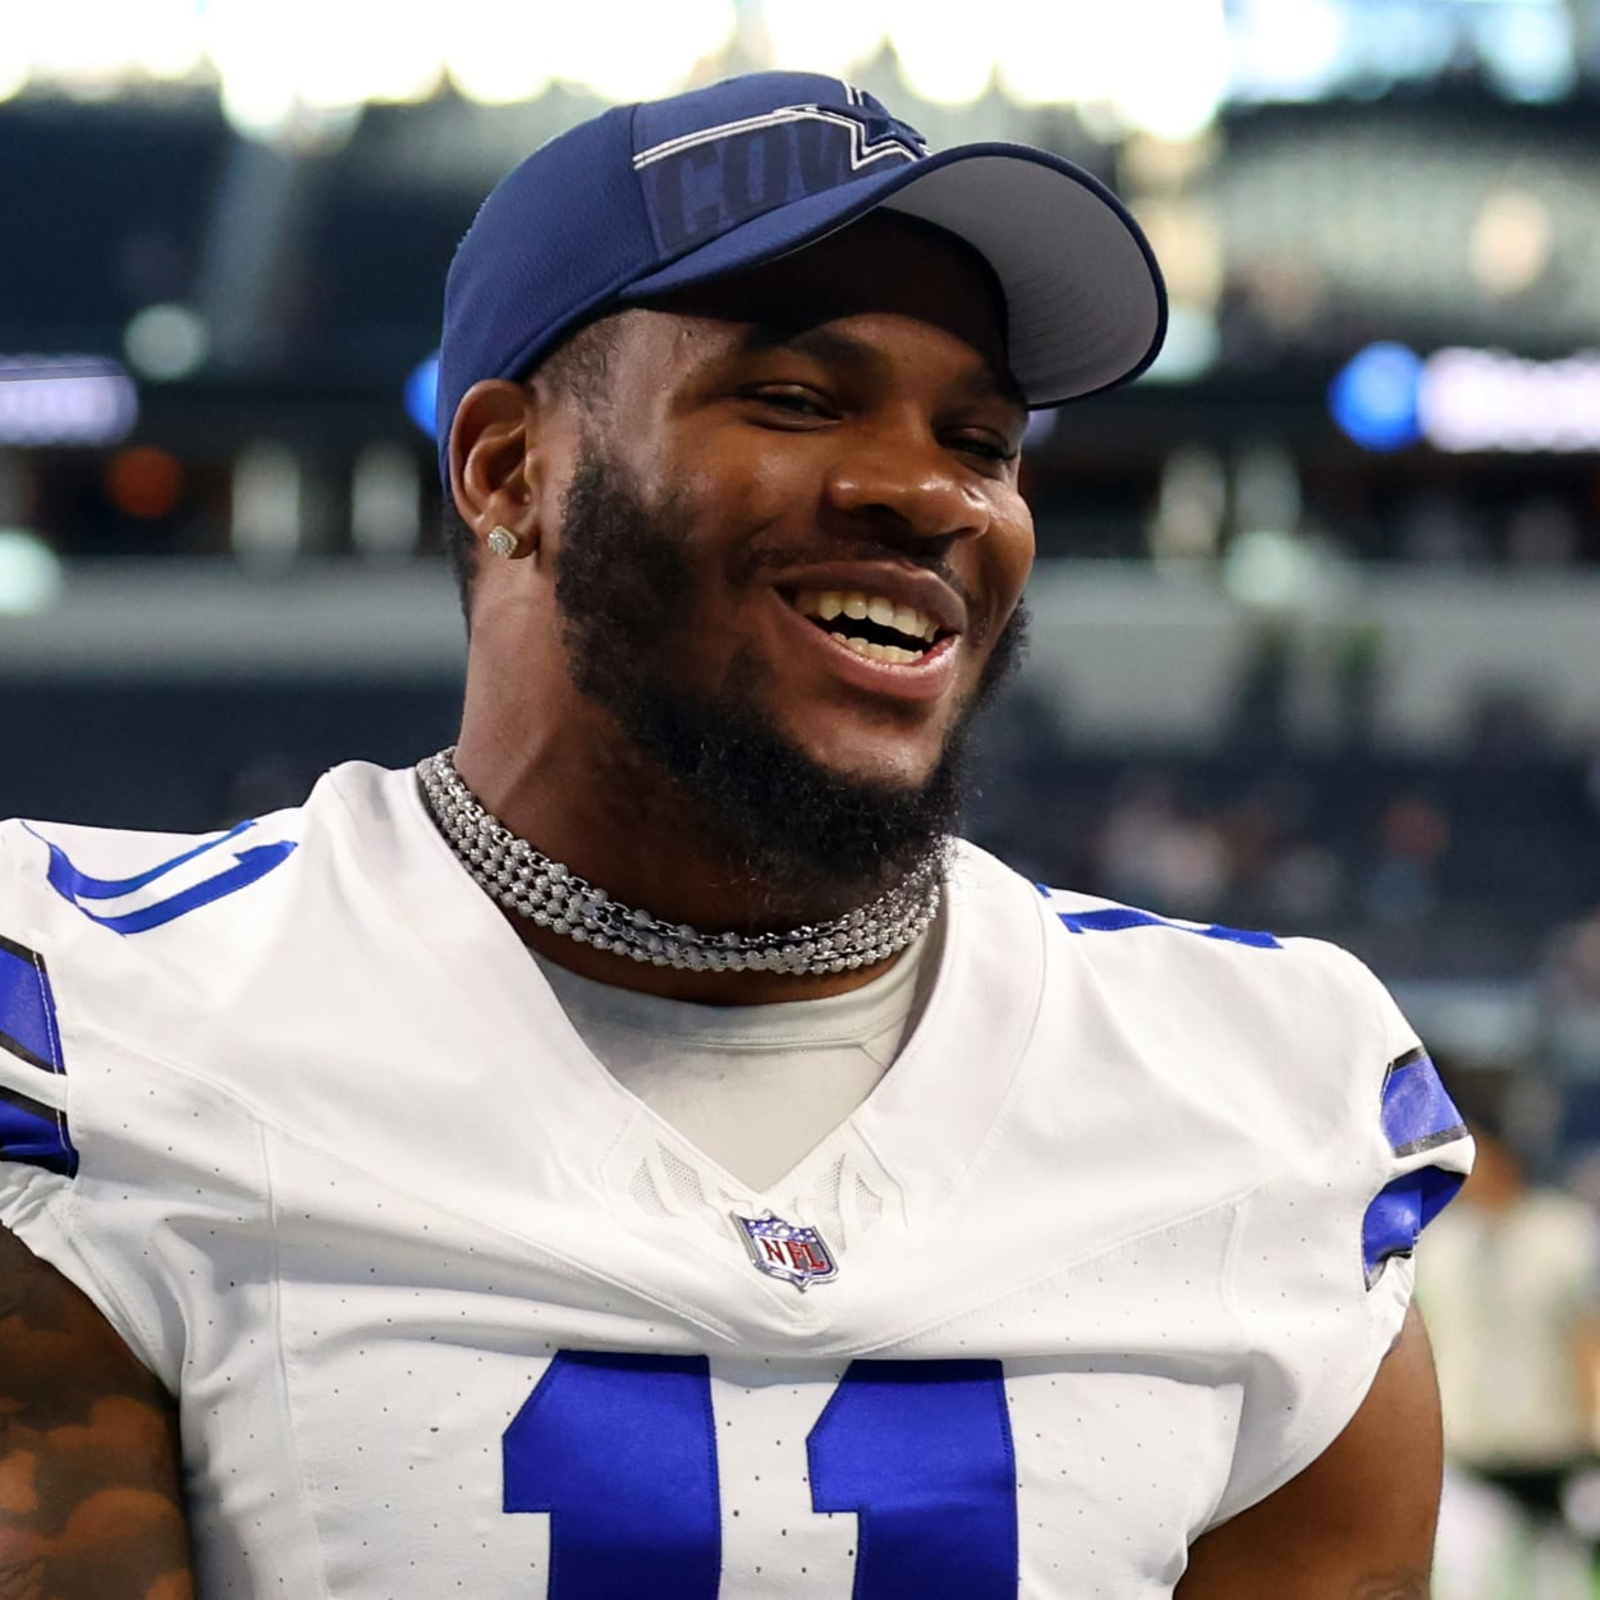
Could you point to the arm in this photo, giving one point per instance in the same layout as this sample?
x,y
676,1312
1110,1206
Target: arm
x,y
90,1501
1358,1523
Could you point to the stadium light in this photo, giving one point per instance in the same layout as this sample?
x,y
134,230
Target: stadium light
x,y
65,400
1513,240
1082,53
1528,50
1374,398
268,513
367,51
1289,49
95,46
385,501
1174,91
30,573
15,69
494,54
624,51
422,394
1059,52
945,65
171,42
166,342
256,54
830,36
1489,400
90,46
1191,348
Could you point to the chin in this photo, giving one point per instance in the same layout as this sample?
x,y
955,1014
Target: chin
x,y
878,752
882,773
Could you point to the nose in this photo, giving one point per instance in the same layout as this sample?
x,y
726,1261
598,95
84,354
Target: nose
x,y
906,484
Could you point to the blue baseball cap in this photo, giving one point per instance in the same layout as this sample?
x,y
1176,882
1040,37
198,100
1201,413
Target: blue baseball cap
x,y
648,198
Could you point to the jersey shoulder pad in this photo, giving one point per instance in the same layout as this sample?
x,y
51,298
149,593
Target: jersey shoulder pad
x,y
132,883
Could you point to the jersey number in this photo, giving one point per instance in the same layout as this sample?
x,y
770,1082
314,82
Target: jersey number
x,y
621,1451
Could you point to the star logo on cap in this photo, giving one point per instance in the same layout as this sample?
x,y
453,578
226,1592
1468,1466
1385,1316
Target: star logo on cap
x,y
879,130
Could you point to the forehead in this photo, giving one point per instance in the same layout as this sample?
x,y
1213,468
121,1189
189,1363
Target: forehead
x,y
882,263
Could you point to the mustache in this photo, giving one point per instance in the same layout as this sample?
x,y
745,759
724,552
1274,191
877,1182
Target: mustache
x,y
781,558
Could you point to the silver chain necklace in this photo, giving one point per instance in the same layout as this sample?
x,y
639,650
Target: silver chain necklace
x,y
528,882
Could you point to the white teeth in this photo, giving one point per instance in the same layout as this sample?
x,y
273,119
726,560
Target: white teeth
x,y
830,603
892,653
911,622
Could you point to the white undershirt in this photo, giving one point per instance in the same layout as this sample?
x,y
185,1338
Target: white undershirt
x,y
755,1088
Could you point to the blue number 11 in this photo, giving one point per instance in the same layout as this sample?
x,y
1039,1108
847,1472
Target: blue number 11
x,y
621,1451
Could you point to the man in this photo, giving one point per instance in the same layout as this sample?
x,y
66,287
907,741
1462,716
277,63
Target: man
x,y
643,1157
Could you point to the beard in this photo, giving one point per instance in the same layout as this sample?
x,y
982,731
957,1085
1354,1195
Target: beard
x,y
625,592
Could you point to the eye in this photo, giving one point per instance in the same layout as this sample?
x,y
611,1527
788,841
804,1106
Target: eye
x,y
985,446
794,400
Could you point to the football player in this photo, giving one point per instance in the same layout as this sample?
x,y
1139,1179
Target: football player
x,y
638,1154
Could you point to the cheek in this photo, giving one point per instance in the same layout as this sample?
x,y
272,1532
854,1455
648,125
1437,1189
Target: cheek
x,y
1010,553
740,521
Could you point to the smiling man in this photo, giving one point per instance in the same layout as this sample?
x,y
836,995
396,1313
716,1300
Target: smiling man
x,y
641,1155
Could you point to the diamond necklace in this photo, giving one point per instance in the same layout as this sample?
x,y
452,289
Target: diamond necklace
x,y
528,882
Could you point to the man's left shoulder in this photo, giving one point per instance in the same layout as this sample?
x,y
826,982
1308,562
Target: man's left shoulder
x,y
1263,980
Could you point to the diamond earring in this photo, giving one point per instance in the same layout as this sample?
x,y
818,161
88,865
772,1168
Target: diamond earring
x,y
502,540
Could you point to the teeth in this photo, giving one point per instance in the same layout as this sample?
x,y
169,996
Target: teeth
x,y
831,603
909,621
892,653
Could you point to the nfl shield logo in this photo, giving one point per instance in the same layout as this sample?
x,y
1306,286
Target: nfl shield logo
x,y
785,1250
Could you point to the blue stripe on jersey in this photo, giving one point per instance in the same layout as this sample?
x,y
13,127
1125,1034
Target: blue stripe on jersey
x,y
1117,918
27,1008
1417,1112
36,1135
30,1130
76,887
69,883
1403,1208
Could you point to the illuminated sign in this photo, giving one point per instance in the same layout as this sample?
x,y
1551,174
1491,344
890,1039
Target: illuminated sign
x,y
1461,400
55,400
422,394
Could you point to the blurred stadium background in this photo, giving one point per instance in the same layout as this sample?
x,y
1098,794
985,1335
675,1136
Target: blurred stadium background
x,y
1317,623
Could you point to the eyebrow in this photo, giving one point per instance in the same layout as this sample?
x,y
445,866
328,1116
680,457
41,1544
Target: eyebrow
x,y
983,382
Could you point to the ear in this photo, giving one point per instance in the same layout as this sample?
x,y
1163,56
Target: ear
x,y
496,469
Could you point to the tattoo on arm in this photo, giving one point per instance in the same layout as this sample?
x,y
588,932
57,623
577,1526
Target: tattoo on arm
x,y
91,1504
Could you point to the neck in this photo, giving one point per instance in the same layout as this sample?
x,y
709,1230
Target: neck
x,y
748,941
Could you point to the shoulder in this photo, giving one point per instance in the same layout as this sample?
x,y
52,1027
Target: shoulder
x,y
112,925
64,877
1301,994
1275,1075
1275,998
1290,1043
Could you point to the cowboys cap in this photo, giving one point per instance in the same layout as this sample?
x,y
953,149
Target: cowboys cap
x,y
649,198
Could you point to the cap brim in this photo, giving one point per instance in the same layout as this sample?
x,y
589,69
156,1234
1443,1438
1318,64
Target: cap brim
x,y
1085,302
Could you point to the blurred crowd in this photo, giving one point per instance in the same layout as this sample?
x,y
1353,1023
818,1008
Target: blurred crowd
x,y
1459,866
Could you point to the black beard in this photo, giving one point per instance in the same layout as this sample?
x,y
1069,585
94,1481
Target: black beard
x,y
625,590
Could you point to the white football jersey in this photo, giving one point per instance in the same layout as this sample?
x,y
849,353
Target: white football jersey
x,y
1113,1250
